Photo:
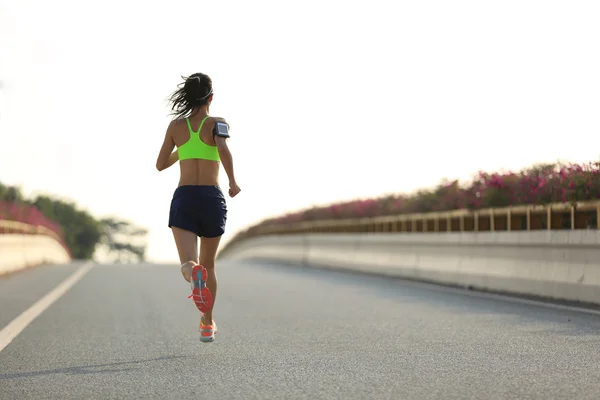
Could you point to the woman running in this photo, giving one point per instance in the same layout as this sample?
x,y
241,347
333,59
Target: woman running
x,y
198,207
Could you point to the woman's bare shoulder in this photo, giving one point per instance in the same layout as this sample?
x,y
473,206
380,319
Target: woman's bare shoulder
x,y
218,119
177,121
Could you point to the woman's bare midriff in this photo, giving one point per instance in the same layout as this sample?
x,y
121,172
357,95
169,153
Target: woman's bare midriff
x,y
199,172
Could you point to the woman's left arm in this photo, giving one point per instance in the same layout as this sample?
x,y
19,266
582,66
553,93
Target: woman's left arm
x,y
165,157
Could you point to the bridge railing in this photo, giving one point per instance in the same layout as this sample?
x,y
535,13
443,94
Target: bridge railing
x,y
20,228
558,216
28,220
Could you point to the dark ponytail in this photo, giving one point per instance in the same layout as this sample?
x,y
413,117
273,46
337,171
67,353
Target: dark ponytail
x,y
193,92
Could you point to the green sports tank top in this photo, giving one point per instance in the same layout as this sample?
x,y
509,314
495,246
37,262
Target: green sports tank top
x,y
195,148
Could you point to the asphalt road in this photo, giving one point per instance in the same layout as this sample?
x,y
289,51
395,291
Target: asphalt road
x,y
130,332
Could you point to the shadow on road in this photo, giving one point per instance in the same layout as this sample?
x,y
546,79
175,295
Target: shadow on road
x,y
85,369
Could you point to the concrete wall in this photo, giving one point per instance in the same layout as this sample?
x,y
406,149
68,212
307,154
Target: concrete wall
x,y
19,251
553,264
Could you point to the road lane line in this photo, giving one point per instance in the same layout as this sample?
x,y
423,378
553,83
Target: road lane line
x,y
17,325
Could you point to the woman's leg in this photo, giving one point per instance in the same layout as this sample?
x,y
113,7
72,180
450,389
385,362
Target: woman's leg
x,y
208,253
187,247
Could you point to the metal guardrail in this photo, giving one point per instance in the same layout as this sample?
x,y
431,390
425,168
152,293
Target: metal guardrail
x,y
558,216
16,227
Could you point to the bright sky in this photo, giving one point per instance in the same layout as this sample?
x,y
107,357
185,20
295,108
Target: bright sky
x,y
327,100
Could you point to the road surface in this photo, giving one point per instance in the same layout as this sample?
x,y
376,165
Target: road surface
x,y
130,332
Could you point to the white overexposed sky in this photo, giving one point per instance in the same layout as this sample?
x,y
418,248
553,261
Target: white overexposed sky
x,y
327,100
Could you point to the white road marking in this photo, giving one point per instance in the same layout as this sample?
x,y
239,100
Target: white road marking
x,y
21,322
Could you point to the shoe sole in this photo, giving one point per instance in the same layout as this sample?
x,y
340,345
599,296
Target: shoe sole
x,y
207,339
200,293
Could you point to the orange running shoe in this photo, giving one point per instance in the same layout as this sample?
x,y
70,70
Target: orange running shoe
x,y
207,332
201,294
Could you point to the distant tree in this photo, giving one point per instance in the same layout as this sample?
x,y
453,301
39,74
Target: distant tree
x,y
11,194
82,232
119,237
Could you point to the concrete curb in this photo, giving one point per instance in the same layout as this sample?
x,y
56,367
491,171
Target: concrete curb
x,y
20,251
558,265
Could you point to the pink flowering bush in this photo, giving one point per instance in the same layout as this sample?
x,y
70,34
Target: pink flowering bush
x,y
27,214
540,184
